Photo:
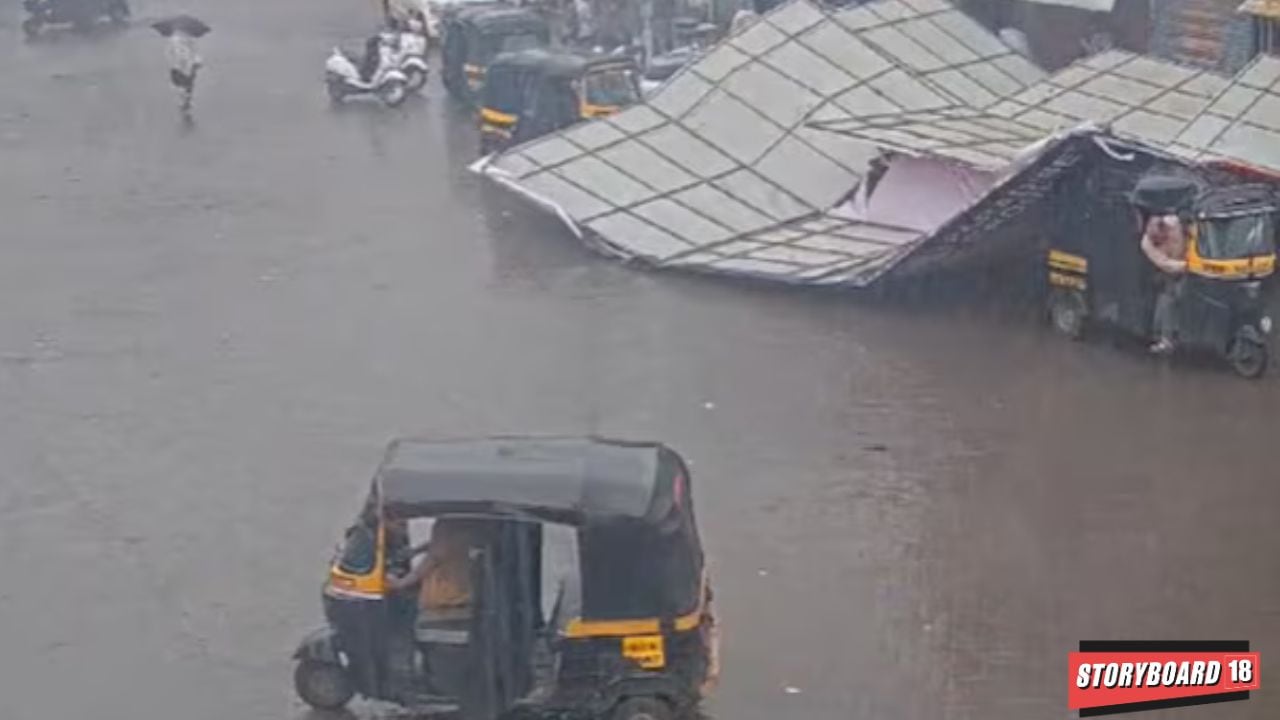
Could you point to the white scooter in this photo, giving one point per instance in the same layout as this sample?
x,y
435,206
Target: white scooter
x,y
342,77
409,53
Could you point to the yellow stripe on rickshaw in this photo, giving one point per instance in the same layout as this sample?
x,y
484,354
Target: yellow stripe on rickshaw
x,y
493,117
596,111
1066,261
1259,267
579,628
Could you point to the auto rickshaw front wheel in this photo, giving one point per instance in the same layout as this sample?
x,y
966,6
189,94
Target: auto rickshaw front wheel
x,y
1249,356
642,708
1067,312
322,685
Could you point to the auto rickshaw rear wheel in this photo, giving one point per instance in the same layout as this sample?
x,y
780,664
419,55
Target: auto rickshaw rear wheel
x,y
322,685
1249,357
1067,312
642,708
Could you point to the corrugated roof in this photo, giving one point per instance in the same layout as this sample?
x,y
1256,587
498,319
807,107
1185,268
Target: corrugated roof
x,y
1190,113
973,137
733,166
709,170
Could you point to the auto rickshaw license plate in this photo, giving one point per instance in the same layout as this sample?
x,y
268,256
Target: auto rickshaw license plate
x,y
647,651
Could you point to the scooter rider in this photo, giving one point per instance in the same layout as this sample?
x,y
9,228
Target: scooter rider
x,y
372,57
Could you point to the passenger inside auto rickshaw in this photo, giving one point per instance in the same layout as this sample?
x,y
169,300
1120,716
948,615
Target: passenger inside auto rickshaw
x,y
443,579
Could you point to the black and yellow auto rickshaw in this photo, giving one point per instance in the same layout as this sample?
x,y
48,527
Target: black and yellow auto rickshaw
x,y
474,36
588,593
534,92
1098,274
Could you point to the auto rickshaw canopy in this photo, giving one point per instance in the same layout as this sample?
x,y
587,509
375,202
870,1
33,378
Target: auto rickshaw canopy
x,y
638,546
512,74
575,481
501,20
1237,200
560,63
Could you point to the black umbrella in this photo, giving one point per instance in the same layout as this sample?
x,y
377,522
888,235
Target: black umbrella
x,y
185,24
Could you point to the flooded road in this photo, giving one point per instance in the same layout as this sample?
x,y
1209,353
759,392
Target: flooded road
x,y
207,335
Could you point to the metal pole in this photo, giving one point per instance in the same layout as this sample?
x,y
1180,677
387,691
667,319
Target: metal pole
x,y
646,17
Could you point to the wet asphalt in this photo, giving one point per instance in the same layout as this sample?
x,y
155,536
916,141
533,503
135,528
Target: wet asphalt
x,y
208,333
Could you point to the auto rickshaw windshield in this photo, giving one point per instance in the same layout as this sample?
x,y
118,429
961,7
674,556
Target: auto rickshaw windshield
x,y
1231,238
359,551
504,91
491,46
612,88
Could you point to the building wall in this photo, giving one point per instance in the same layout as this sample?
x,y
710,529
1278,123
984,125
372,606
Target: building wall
x,y
1207,33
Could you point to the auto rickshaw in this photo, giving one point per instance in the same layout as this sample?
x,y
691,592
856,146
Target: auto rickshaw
x,y
474,36
1097,272
619,626
534,92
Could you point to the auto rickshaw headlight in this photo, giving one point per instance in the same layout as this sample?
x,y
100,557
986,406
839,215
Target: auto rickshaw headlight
x,y
1264,324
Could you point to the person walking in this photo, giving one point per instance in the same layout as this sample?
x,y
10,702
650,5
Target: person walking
x,y
180,33
184,64
1165,244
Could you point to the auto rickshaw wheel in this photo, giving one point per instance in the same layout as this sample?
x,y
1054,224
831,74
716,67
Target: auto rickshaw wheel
x,y
31,27
322,685
1067,312
1249,357
642,708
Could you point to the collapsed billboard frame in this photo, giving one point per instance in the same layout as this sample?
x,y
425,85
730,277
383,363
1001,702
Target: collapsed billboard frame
x,y
737,165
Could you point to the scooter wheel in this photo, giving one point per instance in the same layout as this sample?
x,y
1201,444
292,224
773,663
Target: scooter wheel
x,y
323,686
415,79
1249,358
336,93
393,92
